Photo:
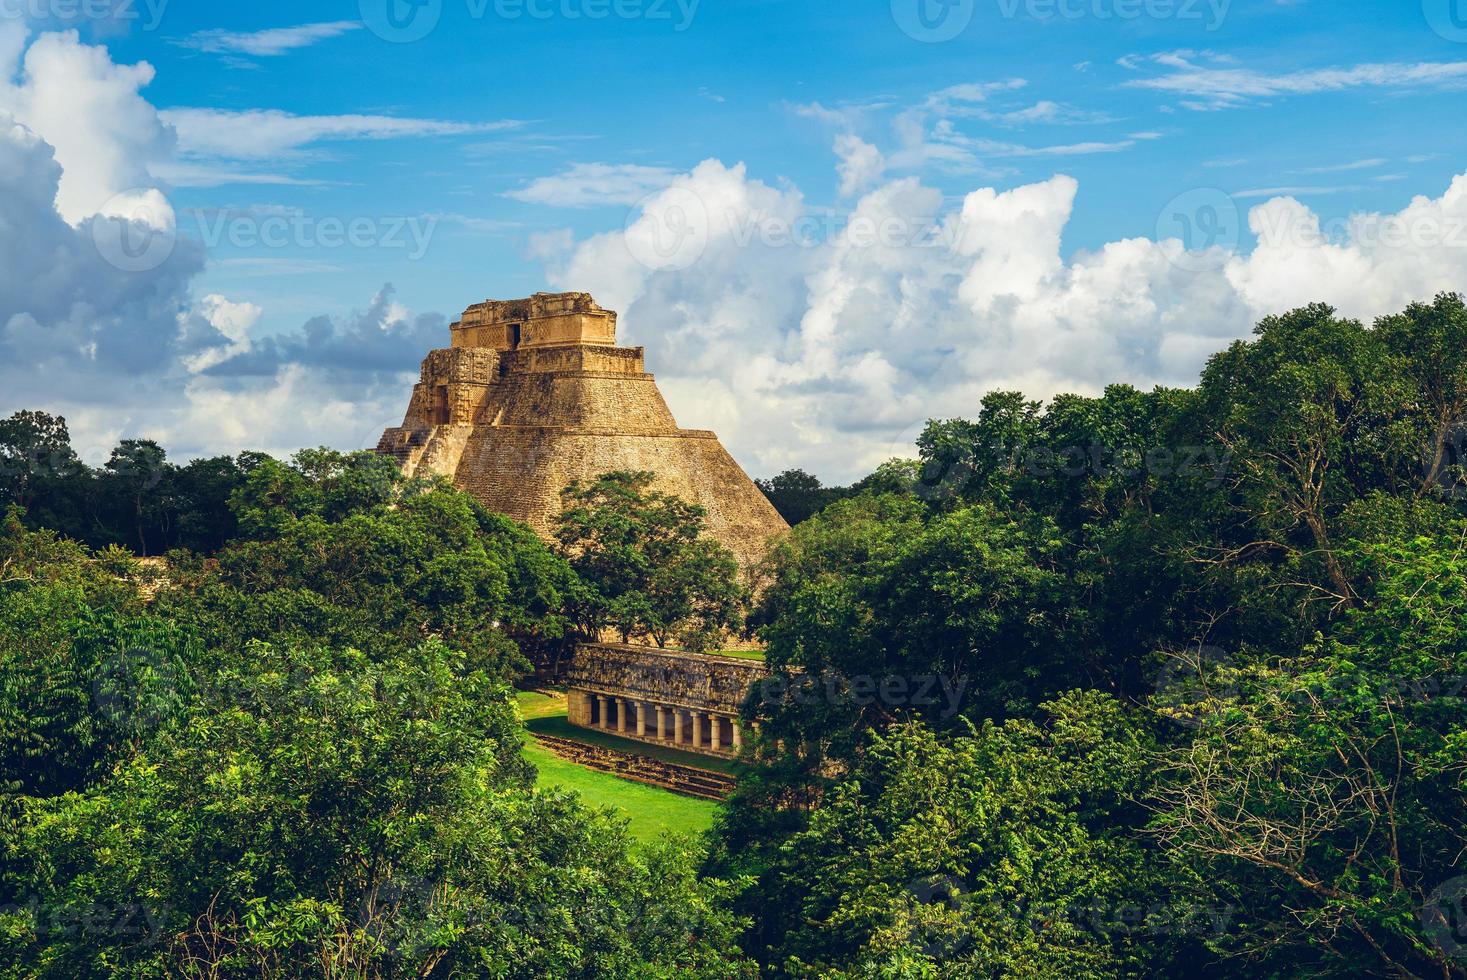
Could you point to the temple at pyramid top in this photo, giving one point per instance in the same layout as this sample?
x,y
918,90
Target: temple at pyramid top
x,y
542,320
533,393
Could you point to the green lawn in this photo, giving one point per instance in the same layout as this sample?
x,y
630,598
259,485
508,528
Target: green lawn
x,y
740,654
540,704
651,812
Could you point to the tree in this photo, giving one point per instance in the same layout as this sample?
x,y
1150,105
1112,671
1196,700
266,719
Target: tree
x,y
34,447
1428,341
1006,851
1323,790
797,495
135,482
325,815
646,568
1312,411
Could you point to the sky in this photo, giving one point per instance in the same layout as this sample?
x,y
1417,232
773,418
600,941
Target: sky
x,y
231,227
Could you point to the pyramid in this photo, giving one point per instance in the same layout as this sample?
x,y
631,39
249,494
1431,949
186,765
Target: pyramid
x,y
533,393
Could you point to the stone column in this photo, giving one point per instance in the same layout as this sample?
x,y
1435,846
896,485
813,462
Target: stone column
x,y
715,725
738,735
677,726
658,732
641,719
623,708
697,729
604,704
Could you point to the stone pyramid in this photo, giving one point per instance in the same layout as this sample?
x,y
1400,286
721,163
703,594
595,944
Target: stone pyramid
x,y
534,393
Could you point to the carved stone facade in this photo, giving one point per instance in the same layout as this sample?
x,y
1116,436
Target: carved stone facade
x,y
534,393
684,700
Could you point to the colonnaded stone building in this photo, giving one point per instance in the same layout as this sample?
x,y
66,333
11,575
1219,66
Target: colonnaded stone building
x,y
685,700
533,393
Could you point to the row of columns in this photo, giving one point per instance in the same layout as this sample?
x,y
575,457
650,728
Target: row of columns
x,y
679,726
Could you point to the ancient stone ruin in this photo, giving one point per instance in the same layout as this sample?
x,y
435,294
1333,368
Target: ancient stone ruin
x,y
534,393
684,700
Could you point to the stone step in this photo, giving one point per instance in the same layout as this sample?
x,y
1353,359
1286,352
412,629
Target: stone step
x,y
686,780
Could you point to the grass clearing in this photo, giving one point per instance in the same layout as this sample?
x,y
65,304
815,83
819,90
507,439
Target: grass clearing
x,y
651,813
541,704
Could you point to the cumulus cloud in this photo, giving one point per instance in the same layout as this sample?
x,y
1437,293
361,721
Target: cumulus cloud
x,y
90,111
861,164
826,341
98,321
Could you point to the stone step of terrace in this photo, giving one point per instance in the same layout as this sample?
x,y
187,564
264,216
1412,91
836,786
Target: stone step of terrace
x,y
686,780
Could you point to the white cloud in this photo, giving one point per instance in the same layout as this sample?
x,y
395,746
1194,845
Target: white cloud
x,y
861,164
267,43
585,185
90,110
1296,190
120,346
1338,168
269,133
1221,88
831,354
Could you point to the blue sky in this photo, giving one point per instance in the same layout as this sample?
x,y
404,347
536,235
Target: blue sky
x,y
511,145
661,90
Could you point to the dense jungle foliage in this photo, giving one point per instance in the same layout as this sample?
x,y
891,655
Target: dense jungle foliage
x,y
1154,683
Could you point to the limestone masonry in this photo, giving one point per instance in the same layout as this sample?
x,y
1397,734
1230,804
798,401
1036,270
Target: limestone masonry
x,y
534,393
686,700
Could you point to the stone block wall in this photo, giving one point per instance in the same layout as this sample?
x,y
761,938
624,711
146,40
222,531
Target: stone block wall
x,y
514,424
